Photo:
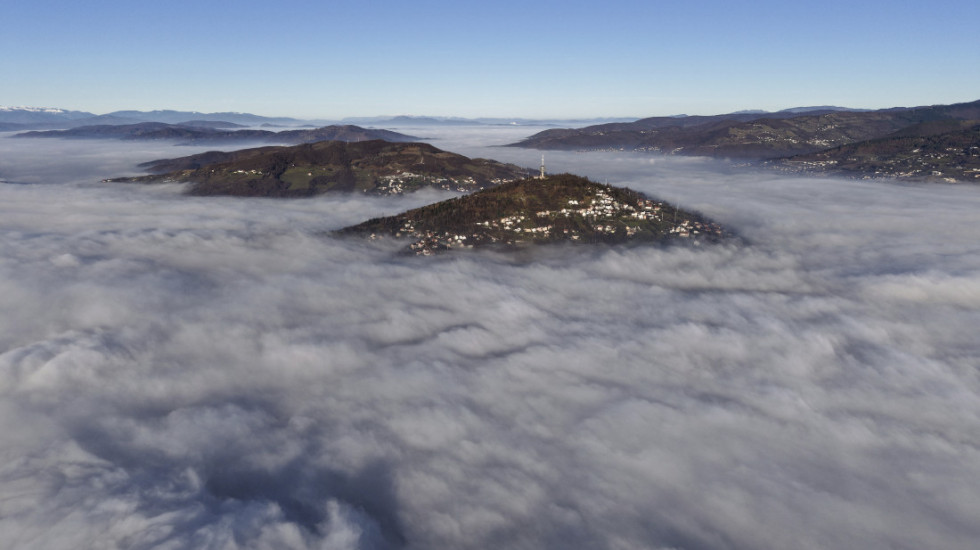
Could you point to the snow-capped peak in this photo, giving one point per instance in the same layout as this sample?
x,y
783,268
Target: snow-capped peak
x,y
33,109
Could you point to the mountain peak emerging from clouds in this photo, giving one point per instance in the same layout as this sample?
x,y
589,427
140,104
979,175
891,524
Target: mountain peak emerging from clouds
x,y
375,167
560,208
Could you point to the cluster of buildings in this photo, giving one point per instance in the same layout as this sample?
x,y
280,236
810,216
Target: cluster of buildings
x,y
397,184
604,214
604,206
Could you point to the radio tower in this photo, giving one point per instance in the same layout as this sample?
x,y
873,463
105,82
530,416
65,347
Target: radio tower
x,y
541,177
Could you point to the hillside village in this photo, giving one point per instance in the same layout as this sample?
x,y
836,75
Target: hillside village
x,y
950,157
557,209
406,182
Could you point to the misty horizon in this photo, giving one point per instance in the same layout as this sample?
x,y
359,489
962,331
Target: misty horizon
x,y
454,117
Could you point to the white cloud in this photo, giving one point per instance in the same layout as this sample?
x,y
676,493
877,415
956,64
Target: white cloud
x,y
183,372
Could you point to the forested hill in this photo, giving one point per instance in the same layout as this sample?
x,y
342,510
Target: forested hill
x,y
749,135
536,211
377,167
947,152
195,132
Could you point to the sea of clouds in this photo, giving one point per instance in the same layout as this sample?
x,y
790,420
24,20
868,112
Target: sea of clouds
x,y
185,372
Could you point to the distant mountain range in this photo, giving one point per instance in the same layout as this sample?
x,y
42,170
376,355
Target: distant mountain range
x,y
204,131
29,117
35,118
376,167
180,117
38,118
817,110
750,135
561,208
406,120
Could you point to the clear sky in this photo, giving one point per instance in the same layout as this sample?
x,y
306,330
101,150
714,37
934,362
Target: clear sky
x,y
519,58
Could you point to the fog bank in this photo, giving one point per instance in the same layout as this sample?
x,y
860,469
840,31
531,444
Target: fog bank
x,y
181,372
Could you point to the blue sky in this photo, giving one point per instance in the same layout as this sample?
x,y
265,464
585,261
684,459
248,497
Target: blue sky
x,y
507,58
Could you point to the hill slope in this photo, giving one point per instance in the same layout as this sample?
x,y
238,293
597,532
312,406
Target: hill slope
x,y
749,135
930,151
206,132
558,208
376,166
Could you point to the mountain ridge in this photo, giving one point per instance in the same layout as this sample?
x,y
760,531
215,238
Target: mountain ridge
x,y
212,132
374,166
942,151
40,118
747,135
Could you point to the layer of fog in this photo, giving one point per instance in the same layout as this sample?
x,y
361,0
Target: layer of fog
x,y
182,372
